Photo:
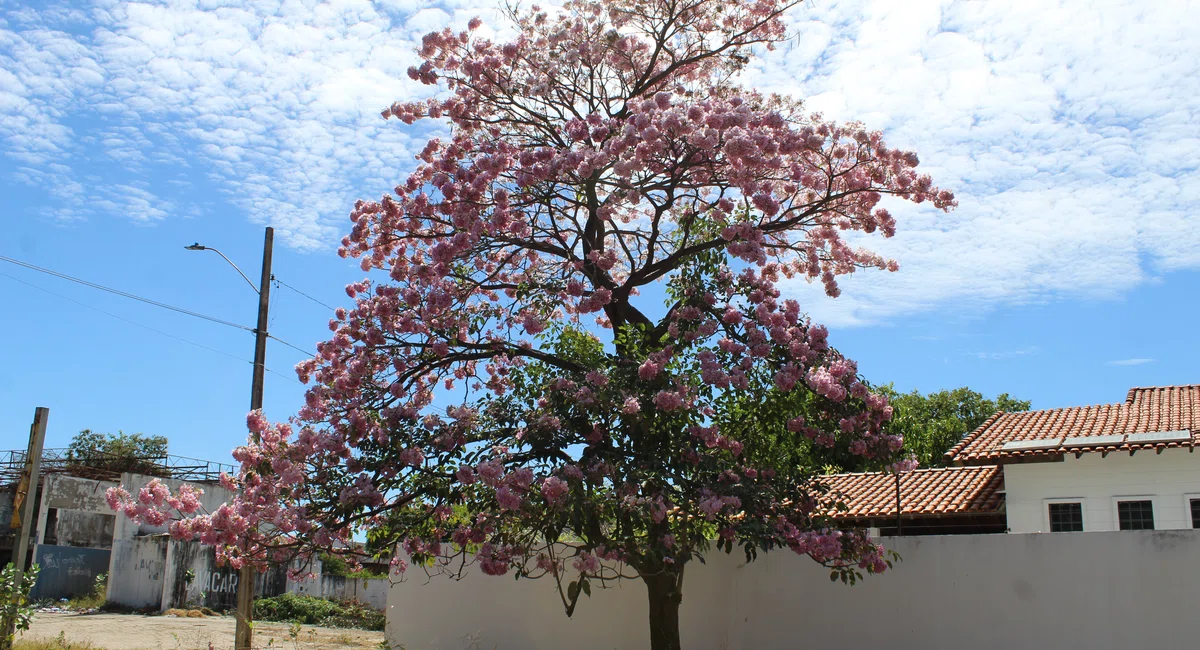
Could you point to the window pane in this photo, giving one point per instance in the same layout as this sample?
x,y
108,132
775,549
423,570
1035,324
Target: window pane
x,y
1067,517
1195,513
1135,515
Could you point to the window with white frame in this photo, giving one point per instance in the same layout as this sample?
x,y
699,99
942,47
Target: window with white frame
x,y
1135,514
1065,516
1193,503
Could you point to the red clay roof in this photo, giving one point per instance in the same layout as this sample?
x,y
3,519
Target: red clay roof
x,y
1146,410
923,492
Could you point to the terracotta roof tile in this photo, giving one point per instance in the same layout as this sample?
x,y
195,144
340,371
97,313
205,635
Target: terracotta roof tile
x,y
1155,409
923,492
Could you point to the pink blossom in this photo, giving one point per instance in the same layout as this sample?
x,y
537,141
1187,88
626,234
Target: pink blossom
x,y
648,370
667,400
586,563
554,490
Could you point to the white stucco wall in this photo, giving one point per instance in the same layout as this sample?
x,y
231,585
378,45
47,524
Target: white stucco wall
x,y
1101,591
499,613
136,573
1162,478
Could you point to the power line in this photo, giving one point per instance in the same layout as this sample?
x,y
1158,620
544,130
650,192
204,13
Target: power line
x,y
287,377
146,327
124,294
298,349
121,318
278,281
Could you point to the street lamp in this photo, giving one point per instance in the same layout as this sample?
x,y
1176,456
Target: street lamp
x,y
245,587
198,247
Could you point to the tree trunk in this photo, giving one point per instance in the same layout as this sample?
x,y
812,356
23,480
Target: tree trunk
x,y
666,592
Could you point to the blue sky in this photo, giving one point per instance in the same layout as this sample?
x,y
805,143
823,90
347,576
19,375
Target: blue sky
x,y
1070,132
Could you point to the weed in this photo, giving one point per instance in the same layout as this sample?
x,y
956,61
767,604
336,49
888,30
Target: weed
x,y
311,610
58,643
96,598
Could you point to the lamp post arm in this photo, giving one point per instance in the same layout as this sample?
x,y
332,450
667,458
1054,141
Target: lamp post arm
x,y
235,267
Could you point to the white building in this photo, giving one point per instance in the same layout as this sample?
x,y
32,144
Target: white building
x,y
1128,466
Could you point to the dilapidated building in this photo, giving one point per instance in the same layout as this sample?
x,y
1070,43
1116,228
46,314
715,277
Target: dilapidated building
x,y
77,537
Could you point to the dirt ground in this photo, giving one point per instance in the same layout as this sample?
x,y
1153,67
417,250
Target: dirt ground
x,y
136,632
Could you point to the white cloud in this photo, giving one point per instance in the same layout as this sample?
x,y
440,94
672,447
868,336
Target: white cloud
x,y
277,103
1006,354
1130,362
1067,130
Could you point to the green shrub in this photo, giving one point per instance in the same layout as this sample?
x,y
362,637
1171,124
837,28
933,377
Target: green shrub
x,y
325,612
16,611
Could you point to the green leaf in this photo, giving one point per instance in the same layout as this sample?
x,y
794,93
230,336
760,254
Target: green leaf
x,y
833,576
587,588
573,591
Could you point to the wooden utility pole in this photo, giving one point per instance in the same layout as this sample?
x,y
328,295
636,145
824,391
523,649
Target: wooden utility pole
x,y
26,497
243,633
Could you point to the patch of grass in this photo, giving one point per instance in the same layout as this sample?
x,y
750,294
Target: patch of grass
x,y
59,642
95,599
325,612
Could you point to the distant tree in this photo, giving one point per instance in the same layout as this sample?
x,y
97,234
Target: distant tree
x,y
929,424
118,452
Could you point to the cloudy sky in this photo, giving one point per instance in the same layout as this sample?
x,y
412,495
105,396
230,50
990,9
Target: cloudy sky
x,y
1070,132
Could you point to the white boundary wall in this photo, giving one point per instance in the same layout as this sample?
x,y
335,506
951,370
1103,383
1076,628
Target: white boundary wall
x,y
368,591
1117,590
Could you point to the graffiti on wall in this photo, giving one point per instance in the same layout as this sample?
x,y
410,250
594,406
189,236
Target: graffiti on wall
x,y
67,570
219,582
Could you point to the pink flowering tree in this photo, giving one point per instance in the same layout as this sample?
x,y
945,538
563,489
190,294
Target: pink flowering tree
x,y
264,524
571,358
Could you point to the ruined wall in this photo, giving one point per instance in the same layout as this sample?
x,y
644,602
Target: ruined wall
x,y
73,512
67,571
193,579
66,527
136,574
7,535
6,508
372,592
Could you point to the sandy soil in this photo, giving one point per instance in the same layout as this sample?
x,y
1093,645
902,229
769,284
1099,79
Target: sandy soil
x,y
136,632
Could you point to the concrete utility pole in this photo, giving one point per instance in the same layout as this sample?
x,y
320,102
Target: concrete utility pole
x,y
243,633
26,499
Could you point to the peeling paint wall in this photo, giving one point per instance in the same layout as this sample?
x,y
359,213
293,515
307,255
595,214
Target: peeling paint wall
x,y
197,581
137,572
79,528
84,494
372,592
7,535
73,512
6,509
158,572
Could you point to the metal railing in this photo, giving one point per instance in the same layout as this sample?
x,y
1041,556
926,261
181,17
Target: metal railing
x,y
111,466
